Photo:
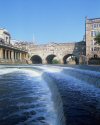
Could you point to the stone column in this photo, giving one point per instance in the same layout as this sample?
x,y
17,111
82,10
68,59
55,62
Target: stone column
x,y
15,55
27,56
8,54
23,56
1,53
5,54
12,56
20,56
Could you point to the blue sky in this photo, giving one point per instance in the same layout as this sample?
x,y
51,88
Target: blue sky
x,y
47,20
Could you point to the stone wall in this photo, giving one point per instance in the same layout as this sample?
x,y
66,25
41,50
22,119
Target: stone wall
x,y
58,50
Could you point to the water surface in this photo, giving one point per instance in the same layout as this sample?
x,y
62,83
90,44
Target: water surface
x,y
42,95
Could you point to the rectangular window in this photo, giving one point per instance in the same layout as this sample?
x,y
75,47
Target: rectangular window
x,y
92,49
95,33
92,33
95,25
92,42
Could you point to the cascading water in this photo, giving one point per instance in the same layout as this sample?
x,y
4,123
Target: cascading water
x,y
80,93
49,95
25,98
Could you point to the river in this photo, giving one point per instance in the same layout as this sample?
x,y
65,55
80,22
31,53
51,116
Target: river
x,y
49,95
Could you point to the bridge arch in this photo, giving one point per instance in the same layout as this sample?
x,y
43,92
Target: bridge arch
x,y
36,59
50,58
70,59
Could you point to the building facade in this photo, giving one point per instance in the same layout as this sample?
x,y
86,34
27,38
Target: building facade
x,y
5,36
91,30
9,54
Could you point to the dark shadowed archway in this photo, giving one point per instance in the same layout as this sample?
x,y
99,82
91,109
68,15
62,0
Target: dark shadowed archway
x,y
70,59
36,59
49,58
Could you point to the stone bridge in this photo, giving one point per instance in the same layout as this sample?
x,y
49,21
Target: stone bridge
x,y
62,52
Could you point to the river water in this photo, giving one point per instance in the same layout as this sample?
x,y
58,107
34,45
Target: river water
x,y
49,95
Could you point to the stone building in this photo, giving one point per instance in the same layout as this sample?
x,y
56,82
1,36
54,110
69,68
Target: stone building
x,y
5,36
9,54
91,30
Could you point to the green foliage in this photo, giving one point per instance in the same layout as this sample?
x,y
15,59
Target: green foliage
x,y
97,39
55,61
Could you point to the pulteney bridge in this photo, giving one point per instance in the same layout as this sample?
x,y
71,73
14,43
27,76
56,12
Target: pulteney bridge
x,y
63,52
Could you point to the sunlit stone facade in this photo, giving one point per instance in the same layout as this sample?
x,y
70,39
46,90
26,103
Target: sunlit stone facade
x,y
92,29
5,36
9,54
60,51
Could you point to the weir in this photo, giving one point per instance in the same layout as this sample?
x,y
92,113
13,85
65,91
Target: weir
x,y
29,99
51,95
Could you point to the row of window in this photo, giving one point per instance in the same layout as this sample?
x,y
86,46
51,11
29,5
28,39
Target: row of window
x,y
95,25
95,49
94,33
92,42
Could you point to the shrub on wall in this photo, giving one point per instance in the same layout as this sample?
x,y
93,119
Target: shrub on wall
x,y
55,61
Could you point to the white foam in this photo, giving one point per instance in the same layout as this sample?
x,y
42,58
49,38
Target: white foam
x,y
7,70
59,69
87,72
50,68
31,73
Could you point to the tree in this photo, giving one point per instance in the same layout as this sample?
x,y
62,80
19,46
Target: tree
x,y
97,39
55,61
